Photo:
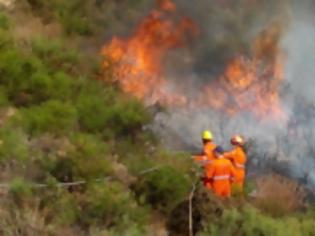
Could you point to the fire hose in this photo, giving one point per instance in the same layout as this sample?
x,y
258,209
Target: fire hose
x,y
79,182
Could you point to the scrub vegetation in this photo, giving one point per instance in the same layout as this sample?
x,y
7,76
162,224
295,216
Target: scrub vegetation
x,y
59,123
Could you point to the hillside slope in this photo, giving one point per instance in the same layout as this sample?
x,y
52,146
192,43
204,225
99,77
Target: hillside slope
x,y
75,156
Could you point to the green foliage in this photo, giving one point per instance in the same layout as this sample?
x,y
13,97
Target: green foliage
x,y
93,108
62,204
164,188
88,17
129,116
55,54
5,39
4,21
91,157
110,204
52,116
73,16
87,158
4,100
13,145
250,222
103,110
32,79
20,190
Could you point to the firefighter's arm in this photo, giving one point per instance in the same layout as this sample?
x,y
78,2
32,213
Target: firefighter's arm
x,y
200,159
229,155
197,158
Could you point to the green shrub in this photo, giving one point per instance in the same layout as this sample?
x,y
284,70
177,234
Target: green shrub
x,y
110,204
61,204
43,86
62,87
20,190
76,24
31,79
5,39
250,222
164,188
52,116
12,67
94,109
4,21
73,16
55,55
104,110
129,116
4,100
91,157
88,159
14,144
25,77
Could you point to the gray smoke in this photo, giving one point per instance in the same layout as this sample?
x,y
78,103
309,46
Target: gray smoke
x,y
300,48
299,74
289,142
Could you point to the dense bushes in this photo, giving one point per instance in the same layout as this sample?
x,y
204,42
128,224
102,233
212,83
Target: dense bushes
x,y
87,17
52,116
28,80
250,221
108,112
164,188
109,203
14,145
59,124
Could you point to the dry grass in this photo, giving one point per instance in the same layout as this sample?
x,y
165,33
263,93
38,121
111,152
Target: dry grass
x,y
25,220
279,196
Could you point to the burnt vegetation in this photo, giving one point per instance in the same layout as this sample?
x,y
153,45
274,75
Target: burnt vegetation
x,y
59,124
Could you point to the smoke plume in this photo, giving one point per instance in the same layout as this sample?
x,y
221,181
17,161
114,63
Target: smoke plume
x,y
286,144
234,67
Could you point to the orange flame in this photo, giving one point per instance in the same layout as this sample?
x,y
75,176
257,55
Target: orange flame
x,y
137,60
247,84
244,88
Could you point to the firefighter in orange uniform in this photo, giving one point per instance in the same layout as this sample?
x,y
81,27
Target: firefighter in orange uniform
x,y
220,173
238,157
207,156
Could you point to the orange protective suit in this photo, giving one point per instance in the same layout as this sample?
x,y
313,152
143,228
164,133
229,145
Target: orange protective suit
x,y
208,149
205,159
238,158
221,173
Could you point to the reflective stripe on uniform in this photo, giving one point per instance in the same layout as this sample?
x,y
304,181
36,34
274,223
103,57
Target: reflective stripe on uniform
x,y
208,161
221,177
240,166
204,158
205,161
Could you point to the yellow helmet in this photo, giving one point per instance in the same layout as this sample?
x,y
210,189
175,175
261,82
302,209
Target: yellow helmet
x,y
207,135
